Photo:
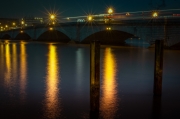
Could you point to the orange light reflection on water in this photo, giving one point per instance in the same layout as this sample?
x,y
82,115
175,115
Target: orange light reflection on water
x,y
14,61
8,65
108,102
23,70
52,82
2,60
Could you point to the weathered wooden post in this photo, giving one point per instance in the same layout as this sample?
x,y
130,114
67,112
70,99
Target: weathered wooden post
x,y
158,67
94,79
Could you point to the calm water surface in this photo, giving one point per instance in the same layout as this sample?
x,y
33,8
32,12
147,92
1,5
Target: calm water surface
x,y
50,81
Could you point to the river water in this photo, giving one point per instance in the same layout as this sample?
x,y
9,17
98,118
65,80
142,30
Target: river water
x,y
50,81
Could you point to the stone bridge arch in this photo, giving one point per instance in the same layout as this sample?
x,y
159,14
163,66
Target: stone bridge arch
x,y
68,31
53,35
108,37
6,36
22,36
105,32
82,31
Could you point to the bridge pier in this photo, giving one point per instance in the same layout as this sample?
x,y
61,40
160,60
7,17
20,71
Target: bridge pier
x,y
94,79
158,67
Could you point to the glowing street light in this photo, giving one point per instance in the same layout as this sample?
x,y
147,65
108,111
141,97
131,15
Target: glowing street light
x,y
110,11
155,14
13,23
90,18
52,16
51,29
22,22
6,26
108,28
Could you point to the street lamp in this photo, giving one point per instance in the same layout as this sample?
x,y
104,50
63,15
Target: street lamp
x,y
52,16
90,18
155,14
110,11
22,22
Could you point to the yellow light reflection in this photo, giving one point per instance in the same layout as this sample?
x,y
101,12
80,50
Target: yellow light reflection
x,y
109,102
52,82
14,62
8,65
2,60
23,70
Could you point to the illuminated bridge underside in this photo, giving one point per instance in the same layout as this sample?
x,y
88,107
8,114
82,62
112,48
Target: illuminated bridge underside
x,y
54,36
113,37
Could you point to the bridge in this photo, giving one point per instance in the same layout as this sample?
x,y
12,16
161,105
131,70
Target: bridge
x,y
108,28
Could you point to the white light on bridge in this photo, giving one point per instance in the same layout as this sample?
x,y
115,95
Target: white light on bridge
x,y
108,28
52,16
110,11
155,14
51,29
127,14
22,22
90,18
21,31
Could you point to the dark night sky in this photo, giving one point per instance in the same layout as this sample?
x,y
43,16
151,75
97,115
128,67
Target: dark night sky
x,y
20,8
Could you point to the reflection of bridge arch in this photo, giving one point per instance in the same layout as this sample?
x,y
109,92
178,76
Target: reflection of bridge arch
x,y
113,37
54,35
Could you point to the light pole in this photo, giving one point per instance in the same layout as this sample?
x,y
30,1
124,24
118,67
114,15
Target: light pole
x,y
13,24
52,18
90,18
22,24
6,26
110,12
155,14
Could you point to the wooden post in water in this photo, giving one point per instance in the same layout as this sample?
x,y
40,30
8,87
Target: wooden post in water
x,y
94,79
158,67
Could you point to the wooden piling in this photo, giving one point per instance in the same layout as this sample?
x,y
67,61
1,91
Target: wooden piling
x,y
158,67
94,79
